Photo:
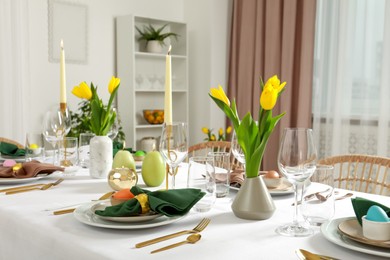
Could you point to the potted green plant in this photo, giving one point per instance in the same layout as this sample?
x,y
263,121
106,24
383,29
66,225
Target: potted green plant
x,y
154,37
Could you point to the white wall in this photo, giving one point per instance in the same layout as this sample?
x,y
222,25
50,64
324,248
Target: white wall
x,y
208,23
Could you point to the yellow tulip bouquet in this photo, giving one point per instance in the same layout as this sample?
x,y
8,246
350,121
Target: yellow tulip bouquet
x,y
251,135
102,117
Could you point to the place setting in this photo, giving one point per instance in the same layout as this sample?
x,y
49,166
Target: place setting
x,y
368,231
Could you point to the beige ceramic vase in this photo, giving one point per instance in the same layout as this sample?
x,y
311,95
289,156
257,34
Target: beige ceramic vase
x,y
253,201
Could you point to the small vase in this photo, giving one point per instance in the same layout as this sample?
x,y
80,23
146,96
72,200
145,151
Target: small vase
x,y
253,201
100,156
153,47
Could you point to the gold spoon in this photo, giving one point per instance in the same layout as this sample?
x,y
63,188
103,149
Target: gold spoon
x,y
191,239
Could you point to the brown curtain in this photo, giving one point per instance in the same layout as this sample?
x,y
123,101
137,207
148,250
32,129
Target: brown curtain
x,y
273,37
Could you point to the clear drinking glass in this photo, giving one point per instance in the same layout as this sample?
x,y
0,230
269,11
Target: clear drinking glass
x,y
297,162
201,175
174,147
84,140
222,172
318,203
56,124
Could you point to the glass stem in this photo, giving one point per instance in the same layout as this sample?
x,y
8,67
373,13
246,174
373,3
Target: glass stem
x,y
173,169
298,187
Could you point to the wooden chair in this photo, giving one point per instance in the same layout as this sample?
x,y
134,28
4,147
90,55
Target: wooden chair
x,y
202,149
363,173
6,140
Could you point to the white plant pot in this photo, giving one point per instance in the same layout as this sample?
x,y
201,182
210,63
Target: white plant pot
x,y
101,154
154,47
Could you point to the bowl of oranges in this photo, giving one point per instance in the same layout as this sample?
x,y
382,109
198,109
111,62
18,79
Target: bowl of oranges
x,y
154,116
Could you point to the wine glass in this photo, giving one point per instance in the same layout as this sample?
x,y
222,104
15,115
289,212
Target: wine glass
x,y
297,162
174,146
56,124
237,150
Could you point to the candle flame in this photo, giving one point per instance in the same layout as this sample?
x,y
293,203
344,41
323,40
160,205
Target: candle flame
x,y
62,44
169,50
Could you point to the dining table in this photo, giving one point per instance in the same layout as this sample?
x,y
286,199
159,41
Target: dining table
x,y
30,230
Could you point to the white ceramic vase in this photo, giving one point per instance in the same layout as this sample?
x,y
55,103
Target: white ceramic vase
x,y
153,47
101,154
253,201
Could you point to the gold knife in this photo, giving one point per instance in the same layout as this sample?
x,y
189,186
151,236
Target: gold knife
x,y
306,255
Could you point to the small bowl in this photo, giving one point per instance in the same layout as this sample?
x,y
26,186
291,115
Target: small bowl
x,y
375,230
272,183
154,116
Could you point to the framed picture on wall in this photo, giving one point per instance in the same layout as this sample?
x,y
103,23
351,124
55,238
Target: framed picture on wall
x,y
68,21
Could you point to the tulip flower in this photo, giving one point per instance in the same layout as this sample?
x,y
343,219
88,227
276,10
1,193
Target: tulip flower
x,y
268,97
114,83
205,130
252,135
220,94
102,117
82,91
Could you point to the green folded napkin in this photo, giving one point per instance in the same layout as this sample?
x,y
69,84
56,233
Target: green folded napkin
x,y
170,203
11,149
361,206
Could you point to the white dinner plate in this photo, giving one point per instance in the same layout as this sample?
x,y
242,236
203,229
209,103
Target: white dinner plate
x,y
133,219
85,215
285,189
330,231
9,181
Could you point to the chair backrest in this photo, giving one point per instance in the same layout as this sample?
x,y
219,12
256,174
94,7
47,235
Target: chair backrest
x,y
202,149
363,173
6,140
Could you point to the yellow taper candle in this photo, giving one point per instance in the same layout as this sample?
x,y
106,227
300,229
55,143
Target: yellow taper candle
x,y
168,89
62,76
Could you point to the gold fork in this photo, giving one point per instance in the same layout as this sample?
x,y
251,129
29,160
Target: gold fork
x,y
44,187
202,225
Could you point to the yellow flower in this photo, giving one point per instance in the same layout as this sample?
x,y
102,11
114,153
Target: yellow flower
x,y
220,94
82,91
274,82
229,130
212,137
268,97
220,132
114,83
205,130
271,89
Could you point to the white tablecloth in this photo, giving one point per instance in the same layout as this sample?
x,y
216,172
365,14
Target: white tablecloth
x,y
30,232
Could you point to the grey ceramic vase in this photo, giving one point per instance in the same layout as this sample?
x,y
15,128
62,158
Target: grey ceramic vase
x,y
253,201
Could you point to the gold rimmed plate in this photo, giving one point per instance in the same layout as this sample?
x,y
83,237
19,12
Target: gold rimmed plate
x,y
133,219
352,229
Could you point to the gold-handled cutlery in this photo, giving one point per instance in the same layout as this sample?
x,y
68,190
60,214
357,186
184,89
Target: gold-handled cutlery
x,y
322,198
44,187
306,255
200,227
191,239
22,187
65,211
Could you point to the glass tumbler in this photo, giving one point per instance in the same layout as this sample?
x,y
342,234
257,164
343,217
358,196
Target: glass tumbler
x,y
201,175
318,201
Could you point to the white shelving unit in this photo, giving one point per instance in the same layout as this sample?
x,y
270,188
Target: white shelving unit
x,y
142,76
